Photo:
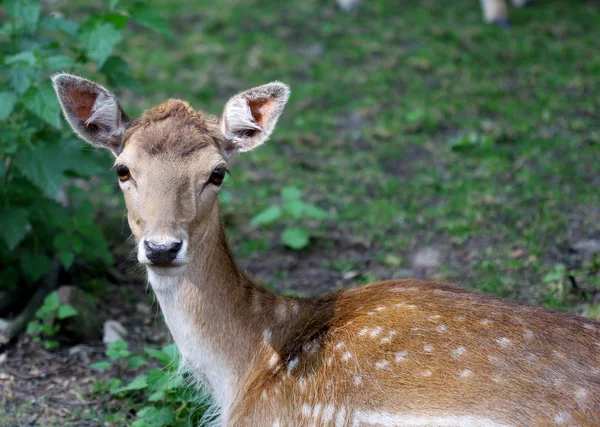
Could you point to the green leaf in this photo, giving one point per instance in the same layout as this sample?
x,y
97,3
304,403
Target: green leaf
x,y
158,379
27,58
291,193
119,73
20,78
154,417
59,23
101,366
294,208
44,167
145,15
35,265
42,102
272,213
65,311
118,349
98,39
139,383
52,301
135,361
14,225
27,11
295,237
58,62
50,344
8,100
66,258
315,212
112,4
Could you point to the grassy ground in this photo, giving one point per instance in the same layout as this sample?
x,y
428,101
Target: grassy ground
x,y
443,147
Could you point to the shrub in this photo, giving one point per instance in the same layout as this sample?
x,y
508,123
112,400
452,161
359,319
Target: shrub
x,y
46,215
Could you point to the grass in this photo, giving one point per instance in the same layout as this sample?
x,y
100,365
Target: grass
x,y
415,124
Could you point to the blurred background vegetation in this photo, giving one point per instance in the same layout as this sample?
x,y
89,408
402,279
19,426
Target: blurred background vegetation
x,y
418,142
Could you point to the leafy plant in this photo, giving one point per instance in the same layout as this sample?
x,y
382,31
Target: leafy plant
x,y
45,214
46,326
295,209
160,397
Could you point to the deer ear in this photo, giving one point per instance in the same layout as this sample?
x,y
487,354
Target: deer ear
x,y
249,117
91,110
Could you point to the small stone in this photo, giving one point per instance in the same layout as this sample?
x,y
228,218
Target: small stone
x,y
113,331
427,258
350,275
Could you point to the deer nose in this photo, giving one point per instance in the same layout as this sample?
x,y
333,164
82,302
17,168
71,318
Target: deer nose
x,y
161,254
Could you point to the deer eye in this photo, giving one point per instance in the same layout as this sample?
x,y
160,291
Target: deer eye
x,y
123,173
217,176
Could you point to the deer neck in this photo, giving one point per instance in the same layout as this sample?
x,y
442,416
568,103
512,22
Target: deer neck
x,y
216,315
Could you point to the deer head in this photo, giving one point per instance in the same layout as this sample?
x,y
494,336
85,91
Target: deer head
x,y
170,162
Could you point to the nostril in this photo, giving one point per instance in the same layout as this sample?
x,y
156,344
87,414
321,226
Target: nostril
x,y
174,247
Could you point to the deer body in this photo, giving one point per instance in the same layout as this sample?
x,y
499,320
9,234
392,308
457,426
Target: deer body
x,y
407,353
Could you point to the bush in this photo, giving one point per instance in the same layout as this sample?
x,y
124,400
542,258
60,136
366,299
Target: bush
x,y
47,217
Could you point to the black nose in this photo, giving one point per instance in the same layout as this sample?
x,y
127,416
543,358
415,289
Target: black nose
x,y
161,254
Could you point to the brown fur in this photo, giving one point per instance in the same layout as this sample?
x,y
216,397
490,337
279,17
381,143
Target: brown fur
x,y
187,131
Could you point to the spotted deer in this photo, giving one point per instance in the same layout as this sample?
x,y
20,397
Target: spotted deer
x,y
494,11
400,352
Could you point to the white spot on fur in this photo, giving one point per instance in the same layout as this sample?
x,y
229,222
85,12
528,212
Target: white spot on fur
x,y
276,423
458,351
434,317
404,305
311,347
401,355
531,357
306,411
340,418
427,348
375,331
328,413
426,373
382,364
415,419
329,361
267,334
264,395
460,318
380,309
528,335
316,410
273,360
581,393
339,345
363,331
346,356
466,373
387,339
441,328
357,379
504,342
485,322
302,383
292,364
562,417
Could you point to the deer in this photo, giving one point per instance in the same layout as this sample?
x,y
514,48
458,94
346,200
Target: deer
x,y
494,11
395,353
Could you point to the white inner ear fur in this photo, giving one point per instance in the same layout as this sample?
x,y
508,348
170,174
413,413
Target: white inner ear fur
x,y
238,124
105,114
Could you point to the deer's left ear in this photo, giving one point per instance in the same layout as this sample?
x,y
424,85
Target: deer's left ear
x,y
249,117
91,110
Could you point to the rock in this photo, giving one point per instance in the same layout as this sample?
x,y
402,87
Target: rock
x,y
427,258
86,325
113,331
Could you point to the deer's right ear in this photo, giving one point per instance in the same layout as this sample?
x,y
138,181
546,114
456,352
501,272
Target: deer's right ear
x,y
91,110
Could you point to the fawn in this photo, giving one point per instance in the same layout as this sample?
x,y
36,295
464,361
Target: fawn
x,y
403,352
